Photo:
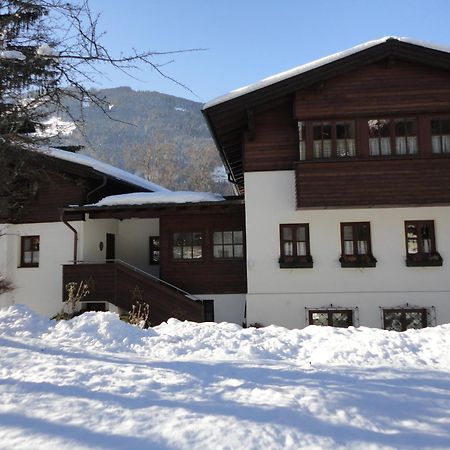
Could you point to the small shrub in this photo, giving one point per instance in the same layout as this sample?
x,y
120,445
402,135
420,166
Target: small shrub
x,y
139,315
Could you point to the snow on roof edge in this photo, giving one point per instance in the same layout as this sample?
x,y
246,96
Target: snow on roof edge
x,y
148,198
315,64
101,167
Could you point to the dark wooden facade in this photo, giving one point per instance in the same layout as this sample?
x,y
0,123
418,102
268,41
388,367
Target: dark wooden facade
x,y
207,275
369,183
258,131
62,183
122,286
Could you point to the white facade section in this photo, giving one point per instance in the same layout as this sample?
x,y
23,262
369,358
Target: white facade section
x,y
227,307
281,296
40,287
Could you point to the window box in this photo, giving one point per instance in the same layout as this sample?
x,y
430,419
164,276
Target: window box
x,y
298,262
424,260
357,261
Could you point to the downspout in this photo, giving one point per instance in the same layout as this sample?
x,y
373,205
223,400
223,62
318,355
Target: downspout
x,y
75,236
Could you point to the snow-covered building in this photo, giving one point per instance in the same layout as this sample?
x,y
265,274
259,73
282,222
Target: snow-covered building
x,y
345,167
342,166
91,222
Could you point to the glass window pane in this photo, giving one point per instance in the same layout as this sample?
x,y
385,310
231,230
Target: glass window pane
x,y
238,237
445,126
301,234
187,252
287,234
197,238
27,244
288,248
217,237
196,251
319,318
400,127
227,237
218,251
301,248
362,247
412,246
238,251
436,127
177,252
414,319
27,257
227,251
348,232
348,247
341,319
393,320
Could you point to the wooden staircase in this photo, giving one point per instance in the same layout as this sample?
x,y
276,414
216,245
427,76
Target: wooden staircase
x,y
123,285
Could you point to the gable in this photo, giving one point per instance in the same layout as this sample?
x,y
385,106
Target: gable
x,y
389,86
227,117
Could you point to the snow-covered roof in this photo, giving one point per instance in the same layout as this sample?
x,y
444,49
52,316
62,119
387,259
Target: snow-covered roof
x,y
101,167
315,64
148,198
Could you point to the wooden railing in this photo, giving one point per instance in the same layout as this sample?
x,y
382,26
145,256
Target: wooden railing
x,y
123,285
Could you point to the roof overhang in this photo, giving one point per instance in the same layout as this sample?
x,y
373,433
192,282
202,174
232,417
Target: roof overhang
x,y
227,116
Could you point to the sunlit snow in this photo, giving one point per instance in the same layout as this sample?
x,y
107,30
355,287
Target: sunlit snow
x,y
55,126
96,382
146,198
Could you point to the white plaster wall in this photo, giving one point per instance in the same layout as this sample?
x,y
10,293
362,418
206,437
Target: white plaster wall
x,y
40,288
270,201
133,242
95,232
227,307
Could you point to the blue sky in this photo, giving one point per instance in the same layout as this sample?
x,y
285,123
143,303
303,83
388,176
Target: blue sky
x,y
248,40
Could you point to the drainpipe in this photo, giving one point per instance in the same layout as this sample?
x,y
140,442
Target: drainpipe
x,y
75,236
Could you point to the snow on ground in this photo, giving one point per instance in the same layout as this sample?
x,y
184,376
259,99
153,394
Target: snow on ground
x,y
147,198
95,382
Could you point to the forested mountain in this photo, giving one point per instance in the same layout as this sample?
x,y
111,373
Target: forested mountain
x,y
158,136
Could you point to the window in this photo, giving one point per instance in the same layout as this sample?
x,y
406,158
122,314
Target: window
x,y
302,140
403,319
294,246
333,139
355,245
345,139
228,244
153,250
187,245
405,136
29,253
379,137
421,244
341,318
399,133
440,135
